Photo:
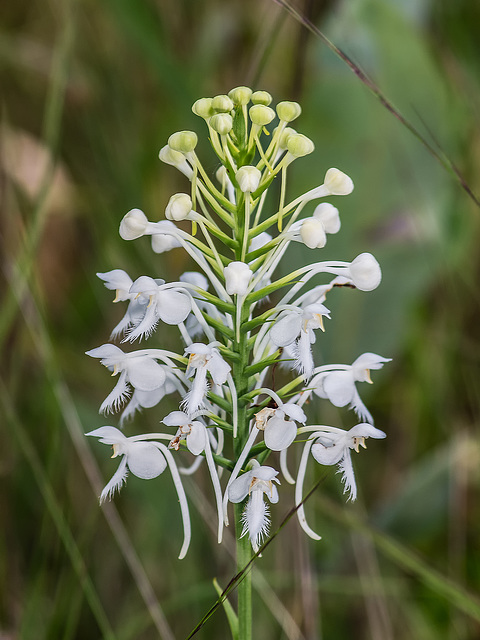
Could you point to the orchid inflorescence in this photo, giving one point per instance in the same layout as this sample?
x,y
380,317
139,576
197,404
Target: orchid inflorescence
x,y
229,415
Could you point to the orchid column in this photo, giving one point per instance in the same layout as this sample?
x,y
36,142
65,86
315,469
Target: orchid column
x,y
233,334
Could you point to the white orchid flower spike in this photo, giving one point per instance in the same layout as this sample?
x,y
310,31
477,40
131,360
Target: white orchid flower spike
x,y
138,370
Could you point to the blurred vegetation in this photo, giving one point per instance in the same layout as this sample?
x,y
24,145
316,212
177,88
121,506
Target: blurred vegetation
x,y
90,91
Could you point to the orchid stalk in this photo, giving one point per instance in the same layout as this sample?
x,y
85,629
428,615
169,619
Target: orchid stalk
x,y
237,323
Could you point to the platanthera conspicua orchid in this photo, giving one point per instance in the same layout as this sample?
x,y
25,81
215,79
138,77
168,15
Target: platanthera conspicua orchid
x,y
241,327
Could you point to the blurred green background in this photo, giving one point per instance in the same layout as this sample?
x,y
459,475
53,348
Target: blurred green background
x,y
90,91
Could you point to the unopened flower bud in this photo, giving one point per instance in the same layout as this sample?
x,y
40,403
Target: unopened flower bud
x,y
365,272
221,174
133,225
183,141
222,123
169,156
299,145
261,115
203,108
237,276
328,215
261,97
338,183
288,111
179,206
248,178
313,234
222,104
284,136
240,95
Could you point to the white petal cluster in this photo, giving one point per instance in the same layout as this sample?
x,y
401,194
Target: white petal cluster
x,y
239,313
256,483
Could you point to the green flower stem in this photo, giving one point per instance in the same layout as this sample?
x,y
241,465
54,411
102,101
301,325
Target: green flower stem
x,y
244,554
242,348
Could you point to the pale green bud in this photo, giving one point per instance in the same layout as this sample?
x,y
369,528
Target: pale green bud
x,y
178,207
338,183
240,95
203,108
261,97
222,104
261,115
222,123
288,111
169,156
284,136
183,141
248,178
299,145
221,174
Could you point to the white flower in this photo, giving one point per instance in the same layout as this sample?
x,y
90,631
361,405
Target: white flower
x,y
279,433
203,358
339,386
165,303
119,281
296,327
141,372
325,220
195,434
255,483
333,447
192,431
145,460
237,276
